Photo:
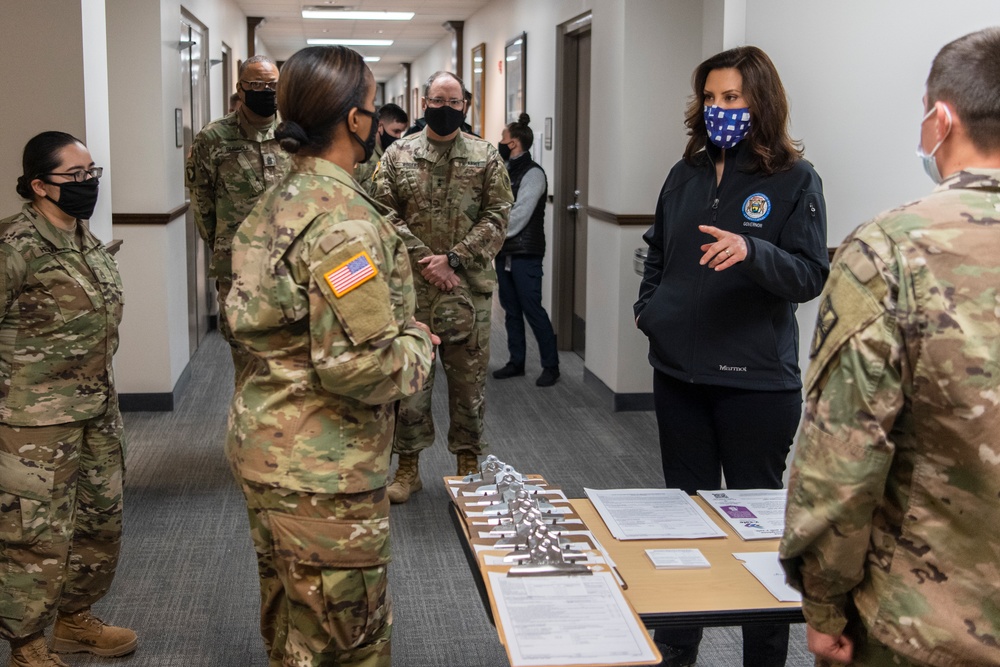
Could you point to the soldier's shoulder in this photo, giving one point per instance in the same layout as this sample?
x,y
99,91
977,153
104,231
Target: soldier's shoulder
x,y
16,230
219,129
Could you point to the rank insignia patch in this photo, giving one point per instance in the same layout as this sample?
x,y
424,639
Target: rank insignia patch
x,y
756,207
352,273
826,320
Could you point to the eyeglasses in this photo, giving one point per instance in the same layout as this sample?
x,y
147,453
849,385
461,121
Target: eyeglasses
x,y
81,175
435,102
259,85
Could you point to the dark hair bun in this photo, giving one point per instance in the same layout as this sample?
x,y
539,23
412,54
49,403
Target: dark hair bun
x,y
24,188
524,119
291,136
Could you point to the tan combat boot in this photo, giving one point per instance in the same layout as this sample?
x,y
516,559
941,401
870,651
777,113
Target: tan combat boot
x,y
34,653
407,479
82,631
468,463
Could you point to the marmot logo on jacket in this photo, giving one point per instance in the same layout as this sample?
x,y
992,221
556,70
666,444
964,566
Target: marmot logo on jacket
x,y
741,369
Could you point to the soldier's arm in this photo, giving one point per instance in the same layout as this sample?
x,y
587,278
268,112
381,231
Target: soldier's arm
x,y
11,278
386,191
854,393
365,344
485,238
200,180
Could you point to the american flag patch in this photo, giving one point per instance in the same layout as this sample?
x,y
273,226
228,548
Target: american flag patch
x,y
350,274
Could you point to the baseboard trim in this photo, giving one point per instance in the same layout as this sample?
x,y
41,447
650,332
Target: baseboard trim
x,y
624,402
156,402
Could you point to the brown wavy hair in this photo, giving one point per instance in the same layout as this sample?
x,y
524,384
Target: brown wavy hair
x,y
771,149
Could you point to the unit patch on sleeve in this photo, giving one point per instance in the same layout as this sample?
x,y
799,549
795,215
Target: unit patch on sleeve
x,y
756,208
355,271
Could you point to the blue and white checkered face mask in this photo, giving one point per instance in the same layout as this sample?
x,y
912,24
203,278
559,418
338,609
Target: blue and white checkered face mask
x,y
727,127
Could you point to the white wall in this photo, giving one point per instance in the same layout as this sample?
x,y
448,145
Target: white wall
x,y
55,78
855,72
644,64
145,88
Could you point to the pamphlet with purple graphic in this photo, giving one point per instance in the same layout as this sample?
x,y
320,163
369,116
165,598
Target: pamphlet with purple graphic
x,y
755,514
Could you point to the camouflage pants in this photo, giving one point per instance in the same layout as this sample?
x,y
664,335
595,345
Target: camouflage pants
x,y
243,360
462,320
322,561
61,520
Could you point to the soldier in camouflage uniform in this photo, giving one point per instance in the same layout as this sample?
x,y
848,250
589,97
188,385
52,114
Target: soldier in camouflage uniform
x,y
61,459
232,162
392,121
323,297
893,519
450,197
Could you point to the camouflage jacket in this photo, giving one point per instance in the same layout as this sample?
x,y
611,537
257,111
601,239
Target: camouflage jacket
x,y
457,200
323,295
60,307
231,164
364,172
894,498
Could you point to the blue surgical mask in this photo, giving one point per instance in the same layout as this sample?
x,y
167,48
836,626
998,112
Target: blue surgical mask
x,y
930,164
727,127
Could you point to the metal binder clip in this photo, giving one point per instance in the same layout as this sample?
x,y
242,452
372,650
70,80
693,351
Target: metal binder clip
x,y
545,556
488,470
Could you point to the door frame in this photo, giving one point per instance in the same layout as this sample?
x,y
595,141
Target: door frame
x,y
564,176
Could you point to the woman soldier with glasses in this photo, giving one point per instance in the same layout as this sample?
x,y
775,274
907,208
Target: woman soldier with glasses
x,y
61,460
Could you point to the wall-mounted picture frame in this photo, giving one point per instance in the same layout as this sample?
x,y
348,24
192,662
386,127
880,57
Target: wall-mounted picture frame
x,y
477,114
515,75
548,133
179,128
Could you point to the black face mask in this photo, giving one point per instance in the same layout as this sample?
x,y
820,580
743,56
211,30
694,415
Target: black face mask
x,y
504,150
368,144
264,103
76,199
443,120
386,140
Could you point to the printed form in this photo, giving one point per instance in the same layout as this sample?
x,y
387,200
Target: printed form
x,y
652,514
568,620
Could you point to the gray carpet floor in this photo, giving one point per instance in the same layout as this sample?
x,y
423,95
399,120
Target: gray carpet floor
x,y
187,579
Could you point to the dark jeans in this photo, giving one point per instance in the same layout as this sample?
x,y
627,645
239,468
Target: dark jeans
x,y
521,298
707,431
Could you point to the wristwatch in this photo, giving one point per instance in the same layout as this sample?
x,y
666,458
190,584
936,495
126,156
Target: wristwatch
x,y
454,261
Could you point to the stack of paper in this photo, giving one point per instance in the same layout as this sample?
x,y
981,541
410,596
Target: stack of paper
x,y
755,514
652,514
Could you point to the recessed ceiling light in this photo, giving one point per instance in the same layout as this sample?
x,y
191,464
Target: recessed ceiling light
x,y
355,15
349,42
372,59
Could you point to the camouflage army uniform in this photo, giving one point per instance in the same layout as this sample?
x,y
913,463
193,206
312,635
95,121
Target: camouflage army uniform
x,y
365,172
311,429
452,198
231,164
60,430
894,499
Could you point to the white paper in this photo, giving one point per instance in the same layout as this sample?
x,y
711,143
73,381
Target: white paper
x,y
755,514
652,514
767,568
567,620
677,559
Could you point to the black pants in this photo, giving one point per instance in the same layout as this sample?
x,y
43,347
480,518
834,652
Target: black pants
x,y
707,431
520,288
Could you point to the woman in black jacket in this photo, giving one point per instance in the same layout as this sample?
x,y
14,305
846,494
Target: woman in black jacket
x,y
739,239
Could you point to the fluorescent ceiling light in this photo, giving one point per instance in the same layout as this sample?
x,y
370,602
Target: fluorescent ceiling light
x,y
372,59
349,42
355,16
478,59
511,59
478,70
